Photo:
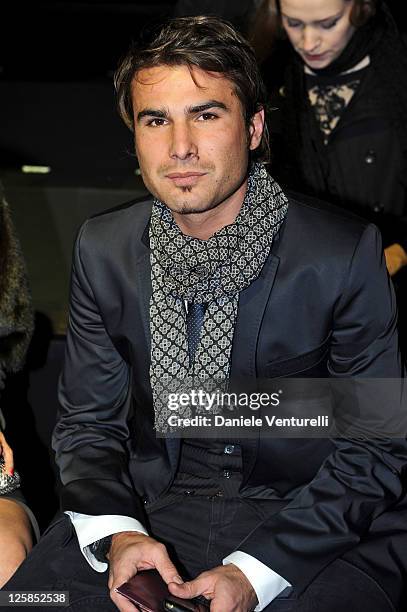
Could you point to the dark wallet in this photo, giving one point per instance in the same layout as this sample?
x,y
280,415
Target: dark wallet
x,y
148,591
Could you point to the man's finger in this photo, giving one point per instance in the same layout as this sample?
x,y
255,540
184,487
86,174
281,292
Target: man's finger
x,y
119,575
202,585
116,579
166,568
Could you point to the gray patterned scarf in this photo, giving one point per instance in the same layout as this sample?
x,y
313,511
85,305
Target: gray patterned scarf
x,y
213,272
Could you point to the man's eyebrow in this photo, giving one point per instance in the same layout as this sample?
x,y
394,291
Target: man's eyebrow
x,y
190,110
152,112
200,108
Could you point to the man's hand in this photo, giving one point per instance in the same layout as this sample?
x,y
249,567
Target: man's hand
x,y
396,258
226,586
130,552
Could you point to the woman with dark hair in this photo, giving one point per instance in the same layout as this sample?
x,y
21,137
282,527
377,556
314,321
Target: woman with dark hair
x,y
18,526
343,130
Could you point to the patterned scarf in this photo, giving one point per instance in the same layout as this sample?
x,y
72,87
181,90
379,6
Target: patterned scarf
x,y
214,271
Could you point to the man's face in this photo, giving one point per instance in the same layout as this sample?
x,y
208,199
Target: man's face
x,y
191,139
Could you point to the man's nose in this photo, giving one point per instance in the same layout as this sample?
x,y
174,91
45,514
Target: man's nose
x,y
310,39
183,145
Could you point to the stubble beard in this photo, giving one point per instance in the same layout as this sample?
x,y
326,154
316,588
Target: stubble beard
x,y
185,207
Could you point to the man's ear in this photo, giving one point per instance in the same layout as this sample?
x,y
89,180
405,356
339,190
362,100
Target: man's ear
x,y
256,129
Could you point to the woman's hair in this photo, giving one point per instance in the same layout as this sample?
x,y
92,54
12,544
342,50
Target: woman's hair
x,y
267,26
208,43
16,314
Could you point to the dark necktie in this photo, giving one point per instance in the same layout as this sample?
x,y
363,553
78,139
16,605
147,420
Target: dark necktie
x,y
195,319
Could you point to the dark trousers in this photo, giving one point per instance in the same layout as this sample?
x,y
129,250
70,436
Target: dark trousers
x,y
199,532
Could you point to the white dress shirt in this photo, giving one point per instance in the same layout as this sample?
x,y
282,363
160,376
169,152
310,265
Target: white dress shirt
x,y
266,583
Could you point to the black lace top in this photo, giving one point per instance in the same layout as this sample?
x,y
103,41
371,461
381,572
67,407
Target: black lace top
x,y
329,97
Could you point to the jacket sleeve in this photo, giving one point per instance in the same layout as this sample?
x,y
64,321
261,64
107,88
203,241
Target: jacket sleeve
x,y
363,476
94,395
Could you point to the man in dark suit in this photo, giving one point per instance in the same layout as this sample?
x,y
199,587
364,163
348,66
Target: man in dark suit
x,y
221,277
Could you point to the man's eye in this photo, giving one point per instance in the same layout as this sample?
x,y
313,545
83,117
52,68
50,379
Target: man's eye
x,y
156,122
207,117
329,24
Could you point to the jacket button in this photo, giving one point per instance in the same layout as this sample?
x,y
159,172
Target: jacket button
x,y
370,157
228,450
227,474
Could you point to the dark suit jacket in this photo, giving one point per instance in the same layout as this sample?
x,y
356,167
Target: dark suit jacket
x,y
323,305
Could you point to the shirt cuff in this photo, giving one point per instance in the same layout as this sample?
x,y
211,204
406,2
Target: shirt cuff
x,y
90,528
266,583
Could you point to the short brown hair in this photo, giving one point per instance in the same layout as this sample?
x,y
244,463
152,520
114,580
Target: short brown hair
x,y
208,43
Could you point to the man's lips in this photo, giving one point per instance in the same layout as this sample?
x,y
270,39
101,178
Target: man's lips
x,y
185,178
176,175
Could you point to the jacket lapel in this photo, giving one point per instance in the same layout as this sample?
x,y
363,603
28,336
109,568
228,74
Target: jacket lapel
x,y
252,305
143,282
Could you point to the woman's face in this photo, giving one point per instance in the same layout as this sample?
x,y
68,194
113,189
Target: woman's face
x,y
319,30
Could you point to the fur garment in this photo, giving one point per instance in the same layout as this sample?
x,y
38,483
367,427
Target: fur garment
x,y
16,312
